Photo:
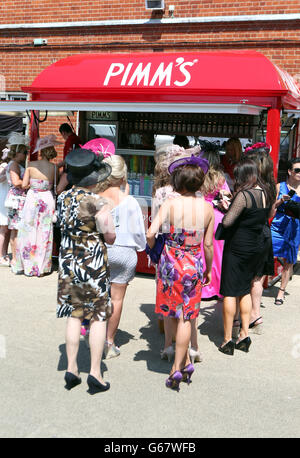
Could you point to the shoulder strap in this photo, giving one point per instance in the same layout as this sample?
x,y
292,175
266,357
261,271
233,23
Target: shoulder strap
x,y
252,198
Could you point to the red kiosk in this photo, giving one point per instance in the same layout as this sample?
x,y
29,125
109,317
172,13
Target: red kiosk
x,y
189,89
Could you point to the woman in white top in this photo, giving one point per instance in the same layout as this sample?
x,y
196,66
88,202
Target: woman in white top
x,y
130,238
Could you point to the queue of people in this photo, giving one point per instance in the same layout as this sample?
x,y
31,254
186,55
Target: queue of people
x,y
217,241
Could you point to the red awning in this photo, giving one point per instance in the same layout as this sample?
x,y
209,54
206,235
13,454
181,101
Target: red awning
x,y
218,77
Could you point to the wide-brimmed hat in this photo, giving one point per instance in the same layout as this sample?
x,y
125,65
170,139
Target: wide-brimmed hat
x,y
190,160
46,142
85,168
16,138
101,146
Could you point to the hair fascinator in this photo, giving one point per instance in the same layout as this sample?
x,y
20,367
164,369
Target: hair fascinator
x,y
16,138
46,142
259,147
5,152
101,146
190,160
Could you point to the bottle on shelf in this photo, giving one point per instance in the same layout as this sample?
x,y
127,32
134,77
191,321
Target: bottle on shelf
x,y
151,181
129,180
146,185
136,185
142,190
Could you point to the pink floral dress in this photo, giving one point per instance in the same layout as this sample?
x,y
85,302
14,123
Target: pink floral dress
x,y
180,275
35,235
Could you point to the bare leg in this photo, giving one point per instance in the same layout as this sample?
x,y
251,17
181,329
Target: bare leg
x,y
170,327
229,310
13,244
117,297
285,276
3,231
6,242
194,334
256,295
245,311
72,343
96,340
183,337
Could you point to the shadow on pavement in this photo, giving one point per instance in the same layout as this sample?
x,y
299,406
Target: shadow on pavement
x,y
83,359
212,327
155,342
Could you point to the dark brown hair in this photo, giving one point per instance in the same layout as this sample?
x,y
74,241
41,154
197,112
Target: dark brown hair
x,y
247,176
265,169
188,178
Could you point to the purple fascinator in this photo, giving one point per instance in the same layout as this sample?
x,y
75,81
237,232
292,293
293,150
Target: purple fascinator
x,y
190,160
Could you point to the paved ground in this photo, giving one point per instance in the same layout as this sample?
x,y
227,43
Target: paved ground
x,y
247,395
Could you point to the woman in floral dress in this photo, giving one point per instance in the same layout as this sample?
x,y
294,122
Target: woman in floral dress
x,y
83,277
35,236
15,200
185,221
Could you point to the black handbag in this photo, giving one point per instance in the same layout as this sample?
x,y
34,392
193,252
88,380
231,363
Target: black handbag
x,y
292,208
221,232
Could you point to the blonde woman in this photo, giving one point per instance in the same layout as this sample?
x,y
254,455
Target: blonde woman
x,y
130,238
35,237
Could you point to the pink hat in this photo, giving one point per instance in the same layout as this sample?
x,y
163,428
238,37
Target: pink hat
x,y
100,146
46,142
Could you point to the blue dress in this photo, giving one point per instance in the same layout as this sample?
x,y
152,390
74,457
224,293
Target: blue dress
x,y
285,230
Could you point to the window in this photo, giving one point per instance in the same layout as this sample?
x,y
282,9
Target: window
x,y
155,4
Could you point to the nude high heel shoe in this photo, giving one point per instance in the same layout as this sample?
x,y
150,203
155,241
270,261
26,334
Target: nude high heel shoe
x,y
167,353
195,356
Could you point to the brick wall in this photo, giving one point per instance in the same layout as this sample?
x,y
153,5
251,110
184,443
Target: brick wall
x,y
26,11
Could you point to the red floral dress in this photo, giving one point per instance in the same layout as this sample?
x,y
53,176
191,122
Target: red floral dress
x,y
180,275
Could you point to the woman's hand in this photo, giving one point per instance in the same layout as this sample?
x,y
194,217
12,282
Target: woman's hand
x,y
206,278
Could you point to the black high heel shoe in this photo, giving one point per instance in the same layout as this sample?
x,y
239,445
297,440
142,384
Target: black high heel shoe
x,y
71,380
95,386
243,344
228,348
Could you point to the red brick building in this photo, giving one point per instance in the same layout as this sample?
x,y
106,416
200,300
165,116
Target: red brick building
x,y
36,33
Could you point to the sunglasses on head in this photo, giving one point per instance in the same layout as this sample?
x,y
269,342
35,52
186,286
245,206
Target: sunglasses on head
x,y
297,170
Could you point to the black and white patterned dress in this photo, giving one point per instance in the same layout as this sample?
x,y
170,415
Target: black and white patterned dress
x,y
83,276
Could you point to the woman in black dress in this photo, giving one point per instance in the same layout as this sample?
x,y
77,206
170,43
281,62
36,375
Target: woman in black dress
x,y
244,242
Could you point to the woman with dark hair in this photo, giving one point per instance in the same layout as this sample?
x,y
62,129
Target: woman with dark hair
x,y
260,154
185,220
244,242
285,228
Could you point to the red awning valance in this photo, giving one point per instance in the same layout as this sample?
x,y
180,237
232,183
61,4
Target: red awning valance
x,y
216,77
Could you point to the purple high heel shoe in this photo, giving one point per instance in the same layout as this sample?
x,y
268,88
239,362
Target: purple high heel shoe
x,y
187,373
174,380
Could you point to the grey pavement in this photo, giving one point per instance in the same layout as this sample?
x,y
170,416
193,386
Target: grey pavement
x,y
247,395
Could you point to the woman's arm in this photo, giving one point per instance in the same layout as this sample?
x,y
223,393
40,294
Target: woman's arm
x,y
105,224
157,223
283,198
14,174
208,244
236,207
62,183
26,179
3,167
